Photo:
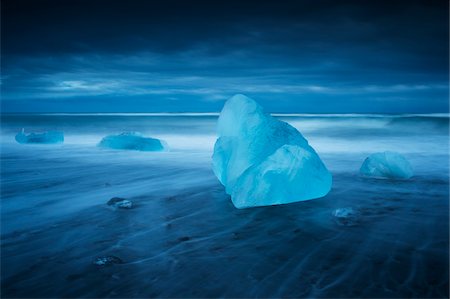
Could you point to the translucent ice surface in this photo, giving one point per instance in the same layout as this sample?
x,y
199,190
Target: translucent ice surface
x,y
49,137
386,165
132,141
264,161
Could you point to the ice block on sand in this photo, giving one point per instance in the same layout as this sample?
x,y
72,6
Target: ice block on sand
x,y
389,165
132,141
49,137
264,161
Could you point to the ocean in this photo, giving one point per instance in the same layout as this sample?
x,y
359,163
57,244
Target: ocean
x,y
184,238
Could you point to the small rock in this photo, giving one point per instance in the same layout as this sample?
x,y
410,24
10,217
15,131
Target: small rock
x,y
107,260
126,204
120,203
115,200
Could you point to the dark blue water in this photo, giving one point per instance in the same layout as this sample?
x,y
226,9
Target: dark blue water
x,y
184,238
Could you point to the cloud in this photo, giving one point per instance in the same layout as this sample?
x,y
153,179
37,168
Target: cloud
x,y
335,53
213,86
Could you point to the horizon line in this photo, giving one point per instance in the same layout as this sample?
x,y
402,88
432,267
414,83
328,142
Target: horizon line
x,y
434,114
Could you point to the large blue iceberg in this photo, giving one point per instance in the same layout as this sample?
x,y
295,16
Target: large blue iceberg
x,y
132,141
264,161
388,165
49,137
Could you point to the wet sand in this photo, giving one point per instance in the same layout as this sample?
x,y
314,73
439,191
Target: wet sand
x,y
184,238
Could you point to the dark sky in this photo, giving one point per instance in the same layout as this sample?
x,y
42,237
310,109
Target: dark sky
x,y
291,56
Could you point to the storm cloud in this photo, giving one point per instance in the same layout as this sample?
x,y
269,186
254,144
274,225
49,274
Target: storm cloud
x,y
293,56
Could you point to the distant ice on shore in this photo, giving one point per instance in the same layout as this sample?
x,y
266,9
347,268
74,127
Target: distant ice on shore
x,y
133,141
49,137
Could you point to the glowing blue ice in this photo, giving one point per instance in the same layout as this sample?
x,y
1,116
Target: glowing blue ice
x,y
386,165
132,141
263,161
49,137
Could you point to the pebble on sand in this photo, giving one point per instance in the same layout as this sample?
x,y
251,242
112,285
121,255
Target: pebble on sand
x,y
107,260
120,203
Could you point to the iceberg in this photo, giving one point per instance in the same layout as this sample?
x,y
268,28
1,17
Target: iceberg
x,y
49,137
133,141
389,165
264,161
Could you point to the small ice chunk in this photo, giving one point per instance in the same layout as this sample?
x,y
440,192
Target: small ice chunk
x,y
389,165
107,260
133,141
120,203
49,137
344,212
346,216
264,161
